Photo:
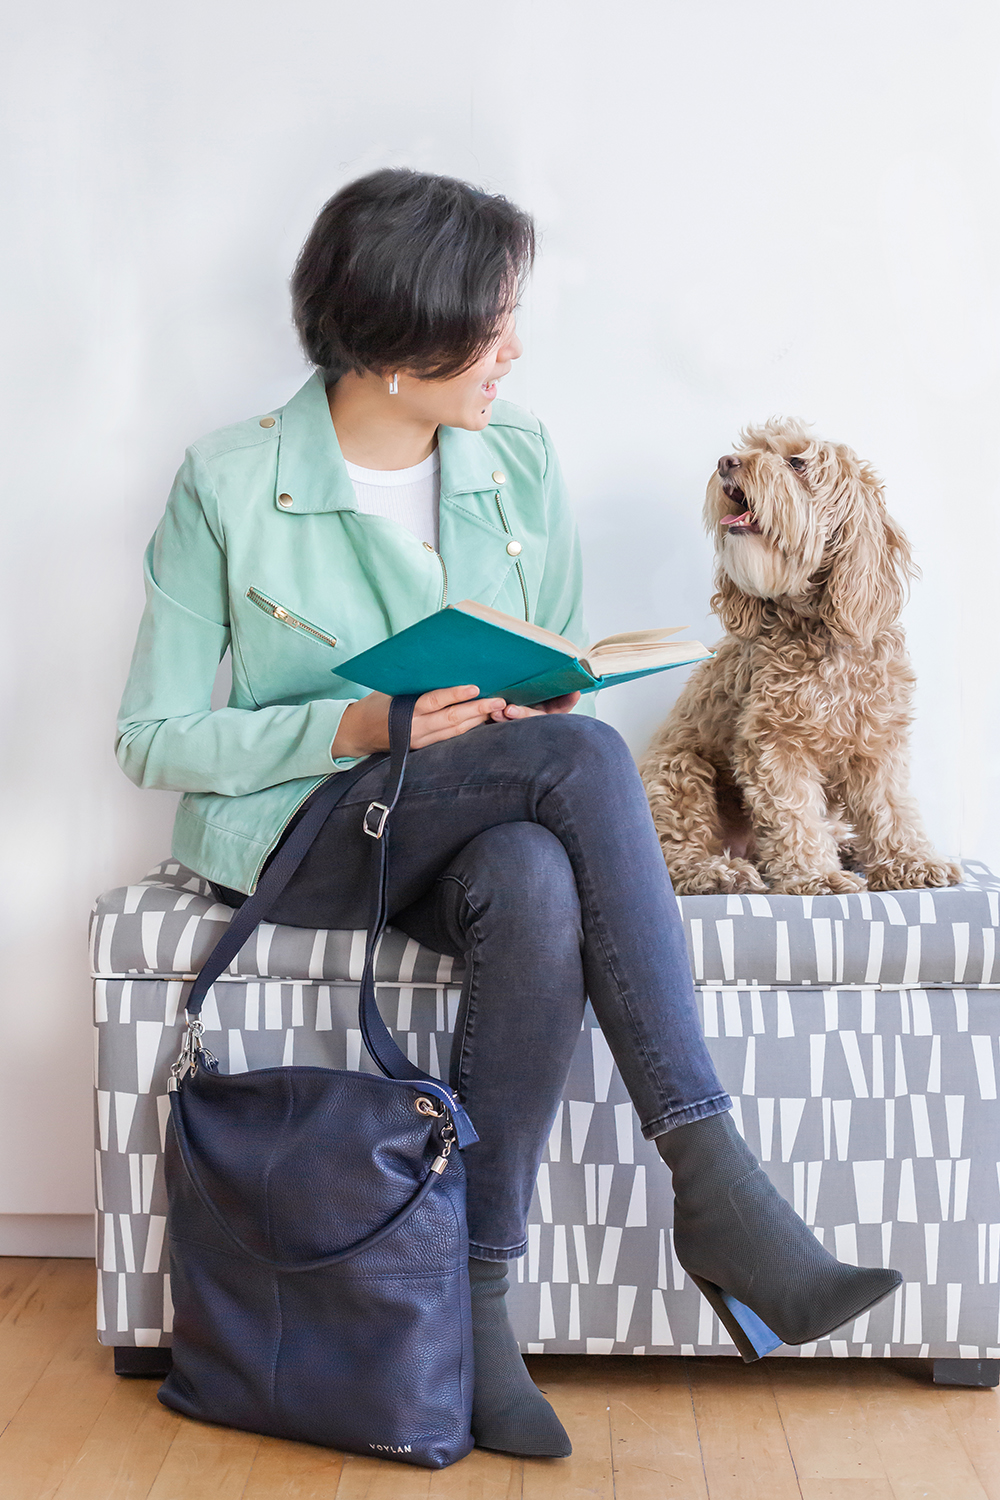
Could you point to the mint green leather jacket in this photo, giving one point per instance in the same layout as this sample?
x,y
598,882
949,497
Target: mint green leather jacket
x,y
262,551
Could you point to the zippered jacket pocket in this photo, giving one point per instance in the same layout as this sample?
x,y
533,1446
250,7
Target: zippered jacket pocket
x,y
286,617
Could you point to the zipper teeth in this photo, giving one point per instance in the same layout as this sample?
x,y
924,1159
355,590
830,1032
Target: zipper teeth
x,y
291,815
517,561
295,622
524,592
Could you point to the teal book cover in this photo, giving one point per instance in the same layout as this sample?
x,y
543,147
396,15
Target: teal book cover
x,y
509,658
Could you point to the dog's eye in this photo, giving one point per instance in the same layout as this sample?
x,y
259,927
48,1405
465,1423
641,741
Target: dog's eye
x,y
796,462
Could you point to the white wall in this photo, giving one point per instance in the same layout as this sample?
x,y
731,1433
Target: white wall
x,y
745,210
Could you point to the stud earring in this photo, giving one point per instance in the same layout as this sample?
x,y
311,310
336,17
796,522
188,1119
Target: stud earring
x,y
394,385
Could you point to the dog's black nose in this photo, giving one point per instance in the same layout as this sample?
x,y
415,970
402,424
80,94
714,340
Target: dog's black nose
x,y
727,463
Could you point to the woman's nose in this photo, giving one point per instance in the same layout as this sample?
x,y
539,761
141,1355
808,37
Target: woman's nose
x,y
511,348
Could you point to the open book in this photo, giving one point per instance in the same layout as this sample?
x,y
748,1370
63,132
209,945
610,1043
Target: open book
x,y
510,658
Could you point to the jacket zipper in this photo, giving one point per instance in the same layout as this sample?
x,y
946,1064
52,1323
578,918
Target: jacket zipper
x,y
444,575
278,836
278,612
517,560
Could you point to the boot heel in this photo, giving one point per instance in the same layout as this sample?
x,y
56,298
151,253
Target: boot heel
x,y
749,1333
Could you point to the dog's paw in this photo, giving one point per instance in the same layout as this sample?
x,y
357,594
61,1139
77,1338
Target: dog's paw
x,y
828,883
913,874
717,877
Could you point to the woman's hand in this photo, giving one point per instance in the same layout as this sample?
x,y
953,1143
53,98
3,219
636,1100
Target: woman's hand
x,y
438,715
551,706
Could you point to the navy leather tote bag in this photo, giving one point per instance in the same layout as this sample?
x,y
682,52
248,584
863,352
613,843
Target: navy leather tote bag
x,y
316,1219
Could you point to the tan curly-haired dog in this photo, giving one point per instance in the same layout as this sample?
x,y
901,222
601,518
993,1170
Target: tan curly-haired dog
x,y
788,748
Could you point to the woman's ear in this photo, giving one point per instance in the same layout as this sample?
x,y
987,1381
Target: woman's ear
x,y
867,563
740,613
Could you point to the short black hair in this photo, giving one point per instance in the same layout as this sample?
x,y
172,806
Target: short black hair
x,y
409,270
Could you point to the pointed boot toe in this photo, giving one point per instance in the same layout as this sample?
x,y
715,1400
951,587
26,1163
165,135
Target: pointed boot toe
x,y
507,1432
870,1285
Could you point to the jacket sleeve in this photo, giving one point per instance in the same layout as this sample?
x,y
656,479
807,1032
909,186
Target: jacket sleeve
x,y
560,596
168,734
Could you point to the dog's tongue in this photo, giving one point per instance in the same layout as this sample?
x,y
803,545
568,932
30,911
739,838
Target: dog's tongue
x,y
743,522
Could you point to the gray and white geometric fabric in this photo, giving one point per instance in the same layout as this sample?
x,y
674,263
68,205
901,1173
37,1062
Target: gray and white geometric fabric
x,y
858,1036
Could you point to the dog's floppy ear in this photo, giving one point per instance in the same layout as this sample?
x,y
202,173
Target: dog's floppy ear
x,y
740,613
867,562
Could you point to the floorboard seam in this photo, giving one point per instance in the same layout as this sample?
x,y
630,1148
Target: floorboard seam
x,y
611,1451
697,1428
67,1339
784,1434
12,1309
246,1482
83,1443
169,1450
964,1445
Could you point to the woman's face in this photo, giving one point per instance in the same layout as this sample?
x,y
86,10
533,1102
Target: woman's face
x,y
462,400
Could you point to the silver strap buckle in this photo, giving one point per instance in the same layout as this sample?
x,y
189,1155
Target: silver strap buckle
x,y
381,814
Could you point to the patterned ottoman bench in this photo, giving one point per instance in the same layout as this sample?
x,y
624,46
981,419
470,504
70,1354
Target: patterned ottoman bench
x,y
858,1036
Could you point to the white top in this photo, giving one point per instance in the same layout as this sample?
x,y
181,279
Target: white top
x,y
409,496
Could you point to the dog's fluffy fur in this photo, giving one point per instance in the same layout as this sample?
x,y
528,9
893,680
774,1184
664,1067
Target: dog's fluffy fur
x,y
787,750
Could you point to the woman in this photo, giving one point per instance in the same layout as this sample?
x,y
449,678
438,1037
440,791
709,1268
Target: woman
x,y
523,841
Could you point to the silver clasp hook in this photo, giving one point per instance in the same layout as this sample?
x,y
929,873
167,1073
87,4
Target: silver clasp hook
x,y
192,1052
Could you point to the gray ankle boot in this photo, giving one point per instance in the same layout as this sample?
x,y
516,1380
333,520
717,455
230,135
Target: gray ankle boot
x,y
509,1412
762,1269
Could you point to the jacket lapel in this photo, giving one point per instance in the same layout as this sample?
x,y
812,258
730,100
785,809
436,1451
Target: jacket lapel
x,y
473,541
310,464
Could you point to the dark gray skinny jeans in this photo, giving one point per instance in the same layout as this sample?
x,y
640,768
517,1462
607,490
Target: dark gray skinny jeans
x,y
527,849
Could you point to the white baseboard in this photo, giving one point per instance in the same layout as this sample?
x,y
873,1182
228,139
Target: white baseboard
x,y
64,1235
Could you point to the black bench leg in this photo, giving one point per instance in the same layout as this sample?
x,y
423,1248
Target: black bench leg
x,y
153,1363
980,1372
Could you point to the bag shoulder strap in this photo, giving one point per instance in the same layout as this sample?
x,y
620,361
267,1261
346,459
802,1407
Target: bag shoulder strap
x,y
391,1060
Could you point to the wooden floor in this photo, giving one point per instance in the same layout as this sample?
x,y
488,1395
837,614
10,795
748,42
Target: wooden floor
x,y
642,1429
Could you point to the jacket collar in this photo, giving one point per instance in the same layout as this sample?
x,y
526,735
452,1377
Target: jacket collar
x,y
466,462
311,466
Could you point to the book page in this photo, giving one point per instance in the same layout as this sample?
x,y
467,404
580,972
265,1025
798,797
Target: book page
x,y
630,651
518,627
634,638
606,660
